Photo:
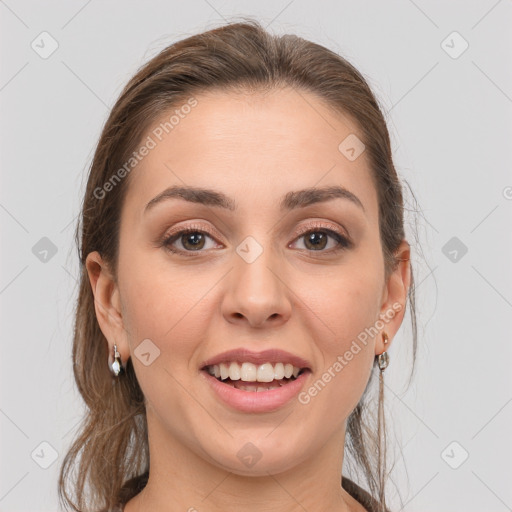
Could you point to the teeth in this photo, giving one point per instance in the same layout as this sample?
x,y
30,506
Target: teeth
x,y
253,388
265,373
279,371
234,371
224,373
249,372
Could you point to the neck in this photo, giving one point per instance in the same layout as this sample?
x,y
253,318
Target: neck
x,y
182,479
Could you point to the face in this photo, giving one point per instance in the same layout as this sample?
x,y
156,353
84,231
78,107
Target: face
x,y
273,269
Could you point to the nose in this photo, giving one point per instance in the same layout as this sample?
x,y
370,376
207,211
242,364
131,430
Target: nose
x,y
256,293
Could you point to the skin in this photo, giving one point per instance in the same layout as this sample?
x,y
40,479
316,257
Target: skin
x,y
255,148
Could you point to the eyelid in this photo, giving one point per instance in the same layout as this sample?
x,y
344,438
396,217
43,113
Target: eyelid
x,y
343,239
190,227
344,242
319,224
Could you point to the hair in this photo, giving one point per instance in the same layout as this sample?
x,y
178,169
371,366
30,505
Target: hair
x,y
110,452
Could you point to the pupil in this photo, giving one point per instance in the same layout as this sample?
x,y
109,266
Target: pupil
x,y
194,239
317,239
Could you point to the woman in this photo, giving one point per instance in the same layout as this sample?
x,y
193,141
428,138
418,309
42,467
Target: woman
x,y
244,272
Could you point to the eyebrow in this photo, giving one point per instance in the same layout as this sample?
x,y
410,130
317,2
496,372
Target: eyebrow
x,y
290,201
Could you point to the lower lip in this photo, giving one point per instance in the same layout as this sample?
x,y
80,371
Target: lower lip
x,y
256,401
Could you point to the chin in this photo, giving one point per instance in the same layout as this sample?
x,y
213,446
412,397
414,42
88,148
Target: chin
x,y
247,458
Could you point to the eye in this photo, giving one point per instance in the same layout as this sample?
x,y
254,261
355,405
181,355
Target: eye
x,y
191,240
317,239
194,240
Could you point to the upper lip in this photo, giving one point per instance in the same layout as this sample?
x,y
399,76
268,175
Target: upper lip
x,y
266,356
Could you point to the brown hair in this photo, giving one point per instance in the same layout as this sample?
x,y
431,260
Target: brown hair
x,y
239,56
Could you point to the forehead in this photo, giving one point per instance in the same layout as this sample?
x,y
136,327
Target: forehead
x,y
255,147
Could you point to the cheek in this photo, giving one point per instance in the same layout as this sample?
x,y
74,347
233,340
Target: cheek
x,y
157,295
345,303
158,303
346,344
345,307
173,307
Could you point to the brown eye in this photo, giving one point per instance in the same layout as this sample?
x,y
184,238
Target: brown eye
x,y
317,240
191,240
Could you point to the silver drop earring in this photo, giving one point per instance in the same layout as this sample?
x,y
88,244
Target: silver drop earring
x,y
383,359
117,366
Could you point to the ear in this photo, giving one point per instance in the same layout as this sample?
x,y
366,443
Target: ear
x,y
107,305
394,296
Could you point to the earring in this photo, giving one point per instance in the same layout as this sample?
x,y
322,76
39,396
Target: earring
x,y
117,366
383,359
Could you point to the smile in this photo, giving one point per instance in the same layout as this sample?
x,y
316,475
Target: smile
x,y
254,378
256,396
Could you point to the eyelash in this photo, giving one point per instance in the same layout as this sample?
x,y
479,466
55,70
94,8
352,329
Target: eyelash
x,y
343,242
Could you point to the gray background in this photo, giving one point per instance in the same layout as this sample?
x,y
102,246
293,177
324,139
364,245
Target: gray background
x,y
449,114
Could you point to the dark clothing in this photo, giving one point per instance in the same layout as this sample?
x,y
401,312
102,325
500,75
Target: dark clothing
x,y
135,485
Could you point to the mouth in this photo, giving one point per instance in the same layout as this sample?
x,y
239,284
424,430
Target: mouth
x,y
250,377
256,382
